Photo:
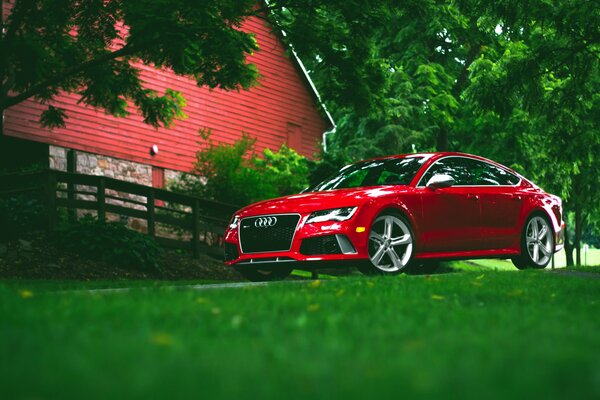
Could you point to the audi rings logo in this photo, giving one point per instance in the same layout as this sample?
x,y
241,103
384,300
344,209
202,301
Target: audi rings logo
x,y
265,222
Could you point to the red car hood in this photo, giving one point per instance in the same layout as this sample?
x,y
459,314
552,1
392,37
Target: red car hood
x,y
314,201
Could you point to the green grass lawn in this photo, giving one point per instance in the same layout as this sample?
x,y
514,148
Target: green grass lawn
x,y
560,260
464,335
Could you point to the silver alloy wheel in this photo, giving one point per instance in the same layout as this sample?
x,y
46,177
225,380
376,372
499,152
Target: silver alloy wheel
x,y
538,239
390,243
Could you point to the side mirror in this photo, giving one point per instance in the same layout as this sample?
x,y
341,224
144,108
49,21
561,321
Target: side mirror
x,y
440,181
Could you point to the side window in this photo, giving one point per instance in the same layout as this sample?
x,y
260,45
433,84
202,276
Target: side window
x,y
456,167
485,174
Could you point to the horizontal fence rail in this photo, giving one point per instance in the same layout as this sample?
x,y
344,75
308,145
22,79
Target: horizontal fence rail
x,y
201,221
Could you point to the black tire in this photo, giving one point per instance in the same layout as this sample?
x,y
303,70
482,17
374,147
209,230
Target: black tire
x,y
389,263
264,275
368,269
529,258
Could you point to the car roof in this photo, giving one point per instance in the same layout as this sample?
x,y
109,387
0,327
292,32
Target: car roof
x,y
435,155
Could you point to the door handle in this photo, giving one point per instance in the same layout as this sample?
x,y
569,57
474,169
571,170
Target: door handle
x,y
516,197
473,197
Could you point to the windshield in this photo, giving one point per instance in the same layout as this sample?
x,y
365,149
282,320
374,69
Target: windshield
x,y
388,171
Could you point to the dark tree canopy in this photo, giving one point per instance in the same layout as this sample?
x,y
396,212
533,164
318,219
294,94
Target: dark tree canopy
x,y
515,81
78,47
81,47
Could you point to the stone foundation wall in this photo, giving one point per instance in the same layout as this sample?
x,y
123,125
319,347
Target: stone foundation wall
x,y
58,158
95,164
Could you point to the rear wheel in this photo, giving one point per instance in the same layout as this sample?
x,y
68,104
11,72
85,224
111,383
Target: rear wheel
x,y
391,246
537,244
265,275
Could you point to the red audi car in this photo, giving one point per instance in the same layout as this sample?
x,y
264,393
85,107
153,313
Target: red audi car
x,y
399,213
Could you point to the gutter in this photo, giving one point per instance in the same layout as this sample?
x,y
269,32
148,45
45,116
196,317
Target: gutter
x,y
314,89
316,92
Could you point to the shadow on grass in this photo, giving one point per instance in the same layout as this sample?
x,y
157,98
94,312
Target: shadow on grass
x,y
433,268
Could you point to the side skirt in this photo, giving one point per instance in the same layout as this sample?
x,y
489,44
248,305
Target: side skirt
x,y
454,255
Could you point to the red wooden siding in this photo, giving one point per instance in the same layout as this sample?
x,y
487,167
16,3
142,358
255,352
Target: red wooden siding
x,y
281,100
158,181
158,177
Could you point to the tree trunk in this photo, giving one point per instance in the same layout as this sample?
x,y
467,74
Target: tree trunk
x,y
442,140
577,241
568,249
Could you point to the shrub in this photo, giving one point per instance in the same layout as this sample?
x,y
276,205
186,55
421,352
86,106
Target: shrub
x,y
19,214
286,170
235,174
110,242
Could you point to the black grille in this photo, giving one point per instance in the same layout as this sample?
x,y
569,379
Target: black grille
x,y
320,245
277,237
231,252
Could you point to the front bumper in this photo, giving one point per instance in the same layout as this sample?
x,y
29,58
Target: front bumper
x,y
351,242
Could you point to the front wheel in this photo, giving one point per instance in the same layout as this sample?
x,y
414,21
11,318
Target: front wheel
x,y
264,275
391,246
537,244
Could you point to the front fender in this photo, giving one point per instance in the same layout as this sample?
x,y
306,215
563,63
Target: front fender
x,y
409,205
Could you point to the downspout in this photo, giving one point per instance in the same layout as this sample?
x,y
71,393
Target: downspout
x,y
332,130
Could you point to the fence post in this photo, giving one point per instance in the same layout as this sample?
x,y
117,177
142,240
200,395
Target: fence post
x,y
101,198
196,228
71,211
50,200
72,168
150,208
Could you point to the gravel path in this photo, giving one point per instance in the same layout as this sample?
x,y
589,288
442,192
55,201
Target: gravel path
x,y
211,286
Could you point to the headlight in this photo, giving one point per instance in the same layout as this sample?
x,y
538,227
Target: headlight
x,y
234,222
335,214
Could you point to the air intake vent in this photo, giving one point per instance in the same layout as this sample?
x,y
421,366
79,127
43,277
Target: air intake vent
x,y
231,252
320,245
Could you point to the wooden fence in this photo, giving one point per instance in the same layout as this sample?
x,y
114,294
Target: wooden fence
x,y
198,219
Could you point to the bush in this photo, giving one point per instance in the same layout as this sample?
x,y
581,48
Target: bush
x,y
235,174
286,171
110,242
20,214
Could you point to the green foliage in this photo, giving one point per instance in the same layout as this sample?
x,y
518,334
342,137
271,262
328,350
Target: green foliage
x,y
285,170
110,242
53,117
234,174
42,55
19,214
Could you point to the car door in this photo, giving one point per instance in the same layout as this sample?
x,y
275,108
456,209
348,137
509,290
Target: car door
x,y
501,204
451,217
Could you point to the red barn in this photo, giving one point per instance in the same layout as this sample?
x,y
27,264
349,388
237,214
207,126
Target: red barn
x,y
283,108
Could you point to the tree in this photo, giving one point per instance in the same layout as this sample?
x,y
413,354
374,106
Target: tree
x,y
421,52
89,47
515,81
545,71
